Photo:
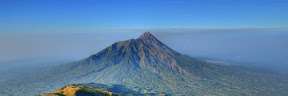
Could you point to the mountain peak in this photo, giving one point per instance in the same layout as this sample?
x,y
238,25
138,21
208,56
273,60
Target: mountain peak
x,y
146,35
152,41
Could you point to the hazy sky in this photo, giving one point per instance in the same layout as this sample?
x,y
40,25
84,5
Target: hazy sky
x,y
68,46
91,15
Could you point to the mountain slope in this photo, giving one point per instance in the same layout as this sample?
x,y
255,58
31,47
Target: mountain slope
x,y
148,66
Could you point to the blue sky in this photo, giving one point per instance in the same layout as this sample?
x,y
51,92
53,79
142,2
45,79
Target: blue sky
x,y
103,15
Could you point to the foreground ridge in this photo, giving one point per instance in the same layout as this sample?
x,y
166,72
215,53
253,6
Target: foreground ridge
x,y
77,90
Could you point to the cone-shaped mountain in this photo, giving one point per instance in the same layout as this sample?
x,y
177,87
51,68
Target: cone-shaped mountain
x,y
147,65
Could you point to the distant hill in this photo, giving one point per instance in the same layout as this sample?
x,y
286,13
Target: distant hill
x,y
147,66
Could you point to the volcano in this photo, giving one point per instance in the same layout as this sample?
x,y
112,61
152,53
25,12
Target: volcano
x,y
148,66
